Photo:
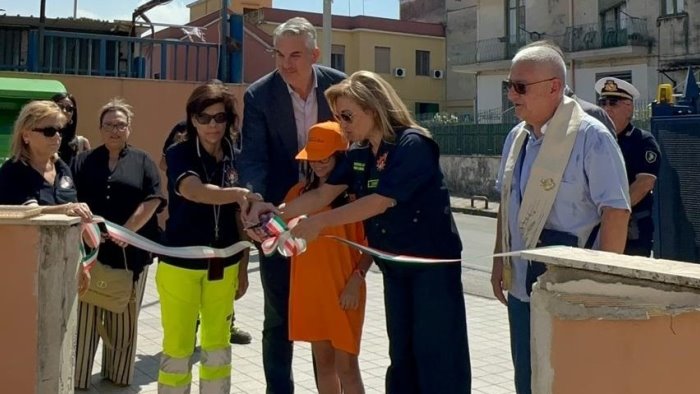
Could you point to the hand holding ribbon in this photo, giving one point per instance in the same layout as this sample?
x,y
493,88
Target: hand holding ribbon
x,y
280,238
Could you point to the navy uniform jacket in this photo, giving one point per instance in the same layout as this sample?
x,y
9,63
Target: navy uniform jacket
x,y
20,184
642,156
193,224
269,133
408,171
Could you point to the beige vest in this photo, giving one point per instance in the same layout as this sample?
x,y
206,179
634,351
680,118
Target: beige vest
x,y
545,177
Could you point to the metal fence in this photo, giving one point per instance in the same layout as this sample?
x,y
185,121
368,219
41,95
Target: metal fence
x,y
107,55
485,132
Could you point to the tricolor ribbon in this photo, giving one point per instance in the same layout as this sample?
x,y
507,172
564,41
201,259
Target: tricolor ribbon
x,y
280,239
119,233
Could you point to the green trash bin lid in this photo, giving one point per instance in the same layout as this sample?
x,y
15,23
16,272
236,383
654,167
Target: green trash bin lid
x,y
29,89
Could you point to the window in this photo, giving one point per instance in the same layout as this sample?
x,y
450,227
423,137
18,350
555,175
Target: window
x,y
338,57
427,108
382,60
423,63
613,18
516,21
670,7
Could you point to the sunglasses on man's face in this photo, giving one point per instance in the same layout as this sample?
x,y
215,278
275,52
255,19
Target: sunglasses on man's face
x,y
49,131
344,116
206,118
521,87
609,102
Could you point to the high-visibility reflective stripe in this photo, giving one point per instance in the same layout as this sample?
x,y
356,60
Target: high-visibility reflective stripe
x,y
180,383
215,365
174,365
207,372
175,373
218,357
165,389
218,386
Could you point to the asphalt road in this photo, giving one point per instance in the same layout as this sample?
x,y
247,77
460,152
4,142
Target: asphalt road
x,y
478,234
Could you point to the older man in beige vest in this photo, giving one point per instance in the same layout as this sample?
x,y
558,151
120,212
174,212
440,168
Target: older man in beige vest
x,y
562,181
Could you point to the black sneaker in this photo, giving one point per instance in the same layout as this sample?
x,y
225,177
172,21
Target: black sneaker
x,y
239,336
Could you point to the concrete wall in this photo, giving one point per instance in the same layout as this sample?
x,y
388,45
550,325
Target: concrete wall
x,y
40,299
460,34
489,91
471,175
491,19
432,11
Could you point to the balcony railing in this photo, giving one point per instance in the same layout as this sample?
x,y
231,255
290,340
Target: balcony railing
x,y
630,32
107,55
489,50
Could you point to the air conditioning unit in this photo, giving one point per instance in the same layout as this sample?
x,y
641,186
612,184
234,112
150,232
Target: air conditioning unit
x,y
438,74
399,72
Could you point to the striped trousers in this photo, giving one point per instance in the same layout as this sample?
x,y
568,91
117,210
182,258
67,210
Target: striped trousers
x,y
117,363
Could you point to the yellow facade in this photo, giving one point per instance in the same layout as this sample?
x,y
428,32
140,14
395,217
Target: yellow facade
x,y
413,89
202,8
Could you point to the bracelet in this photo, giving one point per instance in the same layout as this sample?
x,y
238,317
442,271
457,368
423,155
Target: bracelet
x,y
360,272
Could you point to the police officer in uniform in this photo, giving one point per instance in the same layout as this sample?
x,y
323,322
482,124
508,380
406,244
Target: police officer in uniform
x,y
642,158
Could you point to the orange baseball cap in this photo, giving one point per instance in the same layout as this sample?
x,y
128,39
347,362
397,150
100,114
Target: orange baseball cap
x,y
324,140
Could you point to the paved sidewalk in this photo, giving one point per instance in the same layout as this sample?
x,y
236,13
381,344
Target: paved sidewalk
x,y
488,337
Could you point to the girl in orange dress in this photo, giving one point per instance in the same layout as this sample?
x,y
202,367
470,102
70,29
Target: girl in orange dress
x,y
327,289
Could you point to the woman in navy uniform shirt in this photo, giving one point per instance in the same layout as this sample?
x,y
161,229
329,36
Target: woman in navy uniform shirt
x,y
121,184
393,168
203,203
35,175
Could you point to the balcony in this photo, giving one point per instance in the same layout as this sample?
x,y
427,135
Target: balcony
x,y
107,55
631,32
486,51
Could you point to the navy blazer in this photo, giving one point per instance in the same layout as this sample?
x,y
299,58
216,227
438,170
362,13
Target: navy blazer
x,y
267,163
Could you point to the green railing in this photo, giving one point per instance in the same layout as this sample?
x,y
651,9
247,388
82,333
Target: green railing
x,y
484,134
631,31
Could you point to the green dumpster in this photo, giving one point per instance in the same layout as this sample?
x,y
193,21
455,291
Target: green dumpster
x,y
14,93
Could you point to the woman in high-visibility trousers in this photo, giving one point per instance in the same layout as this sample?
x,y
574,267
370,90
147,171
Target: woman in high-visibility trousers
x,y
203,204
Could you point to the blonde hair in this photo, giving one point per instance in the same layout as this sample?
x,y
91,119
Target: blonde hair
x,y
117,104
31,114
372,93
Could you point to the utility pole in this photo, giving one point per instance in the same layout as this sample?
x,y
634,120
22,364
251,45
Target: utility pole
x,y
75,9
223,42
327,29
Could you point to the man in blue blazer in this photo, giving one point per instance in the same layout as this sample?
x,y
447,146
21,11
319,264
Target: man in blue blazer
x,y
279,109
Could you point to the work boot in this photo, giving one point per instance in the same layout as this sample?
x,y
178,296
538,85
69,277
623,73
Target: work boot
x,y
239,336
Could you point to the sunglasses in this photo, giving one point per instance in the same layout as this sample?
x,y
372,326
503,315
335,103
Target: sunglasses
x,y
521,87
206,118
68,109
344,116
609,102
49,131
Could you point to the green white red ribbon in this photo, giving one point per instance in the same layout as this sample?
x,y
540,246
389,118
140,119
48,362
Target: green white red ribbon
x,y
280,239
119,233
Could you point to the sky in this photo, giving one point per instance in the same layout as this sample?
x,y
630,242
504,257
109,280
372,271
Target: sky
x,y
176,11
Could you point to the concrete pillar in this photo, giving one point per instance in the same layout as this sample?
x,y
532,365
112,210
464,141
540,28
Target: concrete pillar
x,y
40,260
605,323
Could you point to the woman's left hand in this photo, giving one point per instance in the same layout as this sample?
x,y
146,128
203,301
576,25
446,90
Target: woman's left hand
x,y
307,228
83,281
79,209
242,284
